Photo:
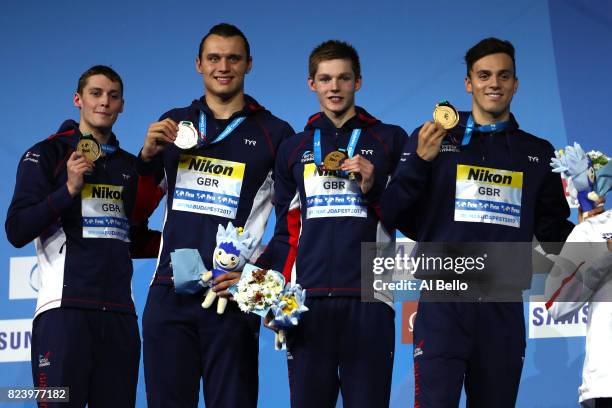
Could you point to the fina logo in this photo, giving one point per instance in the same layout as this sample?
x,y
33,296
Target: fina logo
x,y
24,281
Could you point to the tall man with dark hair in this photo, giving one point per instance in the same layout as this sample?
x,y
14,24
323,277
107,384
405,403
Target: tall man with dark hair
x,y
338,166
223,174
477,344
75,195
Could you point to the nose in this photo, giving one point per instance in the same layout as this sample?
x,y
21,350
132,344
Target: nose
x,y
334,84
104,100
494,81
224,65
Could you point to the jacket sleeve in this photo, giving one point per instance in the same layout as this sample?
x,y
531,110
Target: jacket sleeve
x,y
405,189
37,201
552,226
396,146
281,251
154,168
144,242
570,285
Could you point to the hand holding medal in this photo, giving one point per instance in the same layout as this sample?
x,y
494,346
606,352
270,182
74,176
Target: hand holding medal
x,y
158,136
361,170
80,163
446,115
431,134
89,148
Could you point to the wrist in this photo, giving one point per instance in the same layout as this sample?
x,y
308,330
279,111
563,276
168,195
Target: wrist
x,y
72,190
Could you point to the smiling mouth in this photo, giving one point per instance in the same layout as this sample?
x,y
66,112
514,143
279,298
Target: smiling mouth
x,y
335,99
224,80
494,95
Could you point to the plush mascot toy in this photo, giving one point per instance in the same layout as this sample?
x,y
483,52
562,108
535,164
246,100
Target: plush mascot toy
x,y
576,165
233,250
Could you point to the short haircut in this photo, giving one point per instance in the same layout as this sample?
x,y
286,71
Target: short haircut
x,y
226,30
98,70
333,49
486,47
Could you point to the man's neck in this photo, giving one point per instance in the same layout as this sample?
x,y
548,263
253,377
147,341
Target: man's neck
x,y
101,135
487,118
339,119
224,108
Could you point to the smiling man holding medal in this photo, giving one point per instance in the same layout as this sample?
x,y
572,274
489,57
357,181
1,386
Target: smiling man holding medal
x,y
476,177
217,158
338,166
76,196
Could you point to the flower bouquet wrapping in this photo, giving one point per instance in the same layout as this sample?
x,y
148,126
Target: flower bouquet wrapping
x,y
286,312
263,292
257,290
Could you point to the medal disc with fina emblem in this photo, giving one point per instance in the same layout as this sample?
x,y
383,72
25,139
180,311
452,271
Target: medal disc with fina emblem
x,y
446,115
89,148
334,160
187,135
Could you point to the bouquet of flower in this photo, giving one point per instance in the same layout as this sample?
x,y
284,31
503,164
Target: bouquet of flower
x,y
598,159
263,292
257,290
287,312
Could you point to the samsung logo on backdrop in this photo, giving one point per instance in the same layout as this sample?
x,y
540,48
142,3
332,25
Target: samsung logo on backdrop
x,y
542,325
15,340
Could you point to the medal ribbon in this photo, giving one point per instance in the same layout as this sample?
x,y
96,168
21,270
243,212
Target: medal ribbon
x,y
108,149
229,129
471,126
350,148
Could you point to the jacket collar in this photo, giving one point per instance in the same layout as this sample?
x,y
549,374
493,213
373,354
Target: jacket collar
x,y
361,120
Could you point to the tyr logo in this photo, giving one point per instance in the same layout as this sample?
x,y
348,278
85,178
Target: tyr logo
x,y
368,152
534,159
250,142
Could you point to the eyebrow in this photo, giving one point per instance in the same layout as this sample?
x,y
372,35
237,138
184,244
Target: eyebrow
x,y
488,71
216,54
340,74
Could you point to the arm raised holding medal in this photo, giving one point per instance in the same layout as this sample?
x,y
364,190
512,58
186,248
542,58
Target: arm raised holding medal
x,y
77,166
362,166
430,139
158,135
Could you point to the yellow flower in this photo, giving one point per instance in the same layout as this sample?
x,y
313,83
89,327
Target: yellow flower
x,y
291,304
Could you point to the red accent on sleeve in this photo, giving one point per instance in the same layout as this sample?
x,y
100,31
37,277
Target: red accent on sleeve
x,y
294,225
563,283
148,196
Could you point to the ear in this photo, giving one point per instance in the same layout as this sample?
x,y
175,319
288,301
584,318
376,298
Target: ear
x,y
468,84
311,84
358,83
198,66
249,65
516,85
122,104
76,100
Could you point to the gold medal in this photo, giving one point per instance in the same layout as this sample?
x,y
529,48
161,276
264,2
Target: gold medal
x,y
89,148
334,160
446,115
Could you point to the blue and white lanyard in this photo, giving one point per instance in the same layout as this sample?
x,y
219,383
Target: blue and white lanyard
x,y
350,148
108,149
229,129
471,126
